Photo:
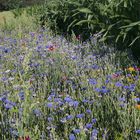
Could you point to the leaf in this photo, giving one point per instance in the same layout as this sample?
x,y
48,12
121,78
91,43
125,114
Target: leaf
x,y
70,25
85,10
86,21
131,25
134,40
73,3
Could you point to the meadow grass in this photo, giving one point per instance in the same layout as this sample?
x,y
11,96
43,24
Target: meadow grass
x,y
55,89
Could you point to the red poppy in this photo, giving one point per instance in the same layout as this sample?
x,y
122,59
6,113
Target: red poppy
x,y
51,48
78,37
27,138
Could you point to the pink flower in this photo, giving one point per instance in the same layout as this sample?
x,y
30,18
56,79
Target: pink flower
x,y
27,138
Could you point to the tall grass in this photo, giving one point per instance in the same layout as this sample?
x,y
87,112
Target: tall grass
x,y
118,20
15,20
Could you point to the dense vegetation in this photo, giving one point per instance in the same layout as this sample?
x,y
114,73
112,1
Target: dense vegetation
x,y
118,20
56,85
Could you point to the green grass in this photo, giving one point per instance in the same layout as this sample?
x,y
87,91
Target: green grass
x,y
8,21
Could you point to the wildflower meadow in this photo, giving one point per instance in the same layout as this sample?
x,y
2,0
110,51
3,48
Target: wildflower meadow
x,y
56,88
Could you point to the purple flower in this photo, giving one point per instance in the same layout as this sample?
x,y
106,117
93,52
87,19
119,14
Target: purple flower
x,y
3,98
94,121
97,89
107,81
138,131
50,119
76,131
85,101
132,87
72,137
104,90
9,102
126,87
137,99
63,120
88,111
89,125
118,84
95,66
68,99
80,116
69,117
74,103
21,95
8,106
37,112
92,81
94,133
122,99
50,105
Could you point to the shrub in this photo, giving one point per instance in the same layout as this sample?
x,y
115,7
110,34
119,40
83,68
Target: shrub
x,y
114,19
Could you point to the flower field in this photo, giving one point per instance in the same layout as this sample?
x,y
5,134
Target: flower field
x,y
54,89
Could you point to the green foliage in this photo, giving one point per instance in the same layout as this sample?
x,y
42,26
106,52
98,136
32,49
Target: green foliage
x,y
118,20
10,4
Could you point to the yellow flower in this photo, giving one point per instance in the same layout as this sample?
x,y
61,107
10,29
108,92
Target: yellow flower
x,y
137,107
129,79
131,69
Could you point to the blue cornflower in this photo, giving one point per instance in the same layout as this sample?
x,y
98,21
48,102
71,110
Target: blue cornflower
x,y
84,88
8,106
6,50
21,95
50,105
97,89
72,137
104,90
80,116
38,48
73,57
95,66
9,102
14,132
94,120
92,81
37,112
118,84
122,99
69,117
132,87
126,87
88,111
107,81
3,98
57,99
137,99
76,131
50,119
138,131
94,132
85,101
63,120
74,103
68,99
49,98
89,125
